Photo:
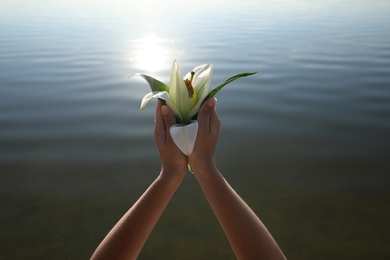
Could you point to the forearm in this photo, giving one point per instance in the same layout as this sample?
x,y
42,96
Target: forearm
x,y
127,238
247,235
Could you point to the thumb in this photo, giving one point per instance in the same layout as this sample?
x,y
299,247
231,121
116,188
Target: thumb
x,y
205,113
168,117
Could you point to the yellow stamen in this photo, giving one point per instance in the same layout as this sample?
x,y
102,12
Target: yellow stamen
x,y
189,87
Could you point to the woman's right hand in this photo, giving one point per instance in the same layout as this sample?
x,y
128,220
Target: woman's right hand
x,y
202,157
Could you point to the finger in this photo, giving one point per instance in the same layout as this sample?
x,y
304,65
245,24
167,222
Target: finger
x,y
168,118
159,127
214,123
205,112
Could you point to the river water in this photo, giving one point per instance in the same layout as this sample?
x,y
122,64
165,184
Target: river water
x,y
304,142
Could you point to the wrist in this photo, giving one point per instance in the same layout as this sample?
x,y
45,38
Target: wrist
x,y
204,167
171,177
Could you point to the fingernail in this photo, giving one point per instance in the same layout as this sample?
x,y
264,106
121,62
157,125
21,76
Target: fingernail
x,y
212,102
164,110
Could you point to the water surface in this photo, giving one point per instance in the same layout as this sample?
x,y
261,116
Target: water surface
x,y
304,142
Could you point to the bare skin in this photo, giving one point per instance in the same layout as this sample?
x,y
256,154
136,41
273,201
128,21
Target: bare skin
x,y
128,236
247,235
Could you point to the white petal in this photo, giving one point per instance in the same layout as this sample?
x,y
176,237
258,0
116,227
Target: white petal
x,y
179,94
164,96
203,89
198,70
184,136
147,99
202,76
173,83
156,94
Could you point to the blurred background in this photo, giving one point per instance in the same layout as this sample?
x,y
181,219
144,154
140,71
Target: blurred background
x,y
305,142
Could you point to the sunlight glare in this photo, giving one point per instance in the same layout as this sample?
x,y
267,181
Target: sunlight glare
x,y
151,56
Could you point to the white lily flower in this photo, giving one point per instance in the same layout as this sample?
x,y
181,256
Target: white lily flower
x,y
184,97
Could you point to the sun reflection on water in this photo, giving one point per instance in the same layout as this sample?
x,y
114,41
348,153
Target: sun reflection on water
x,y
152,54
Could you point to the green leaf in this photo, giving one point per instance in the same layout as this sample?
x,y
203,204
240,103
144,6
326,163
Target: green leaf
x,y
155,85
233,78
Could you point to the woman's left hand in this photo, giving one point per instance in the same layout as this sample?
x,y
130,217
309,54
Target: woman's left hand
x,y
174,163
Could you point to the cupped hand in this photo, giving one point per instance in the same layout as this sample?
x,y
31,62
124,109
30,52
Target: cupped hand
x,y
202,157
173,162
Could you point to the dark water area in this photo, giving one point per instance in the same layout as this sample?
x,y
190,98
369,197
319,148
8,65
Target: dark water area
x,y
305,142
